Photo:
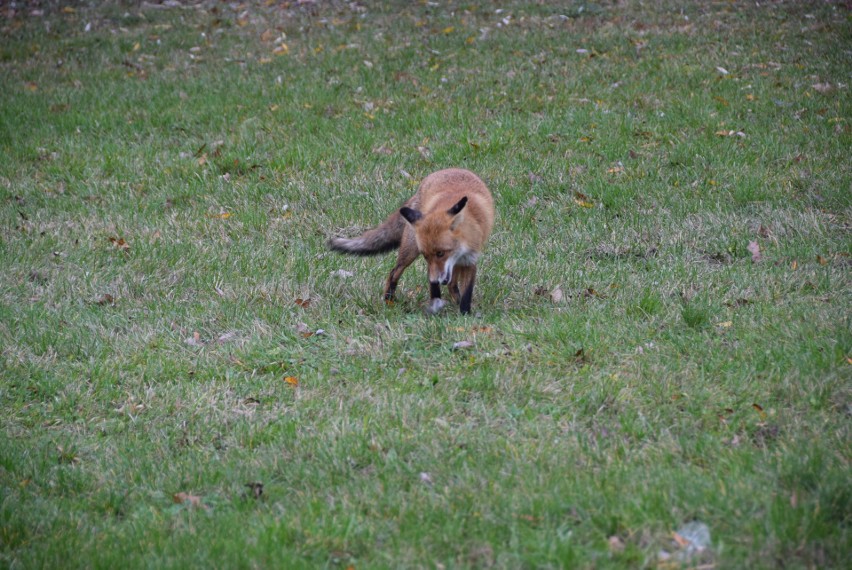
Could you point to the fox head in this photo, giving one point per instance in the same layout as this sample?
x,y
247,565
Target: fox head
x,y
440,241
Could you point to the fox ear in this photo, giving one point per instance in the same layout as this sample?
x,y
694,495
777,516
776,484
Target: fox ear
x,y
458,207
411,216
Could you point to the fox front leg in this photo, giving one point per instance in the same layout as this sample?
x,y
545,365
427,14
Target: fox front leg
x,y
466,277
435,302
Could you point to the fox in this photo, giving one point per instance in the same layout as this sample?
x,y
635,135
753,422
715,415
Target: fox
x,y
448,221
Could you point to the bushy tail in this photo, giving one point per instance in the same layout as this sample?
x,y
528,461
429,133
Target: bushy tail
x,y
381,239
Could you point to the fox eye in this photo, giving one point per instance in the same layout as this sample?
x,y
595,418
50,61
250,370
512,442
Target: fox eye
x,y
439,254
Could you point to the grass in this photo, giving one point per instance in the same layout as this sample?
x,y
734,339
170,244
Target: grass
x,y
170,176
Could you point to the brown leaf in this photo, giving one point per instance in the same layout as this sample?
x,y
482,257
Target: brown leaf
x,y
105,299
304,303
590,292
821,260
188,499
292,381
256,490
583,201
119,243
759,409
194,340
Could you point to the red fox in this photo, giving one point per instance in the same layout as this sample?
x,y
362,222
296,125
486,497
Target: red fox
x,y
448,220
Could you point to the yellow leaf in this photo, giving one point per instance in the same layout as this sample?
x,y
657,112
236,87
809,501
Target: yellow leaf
x,y
759,409
726,324
69,10
273,107
31,86
795,265
292,381
448,30
470,40
136,46
750,97
282,49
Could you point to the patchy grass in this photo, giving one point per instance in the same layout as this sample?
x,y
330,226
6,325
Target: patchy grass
x,y
170,175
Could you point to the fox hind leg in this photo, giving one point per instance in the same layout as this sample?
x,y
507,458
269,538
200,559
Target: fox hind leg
x,y
408,252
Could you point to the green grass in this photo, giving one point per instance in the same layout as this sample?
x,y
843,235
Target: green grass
x,y
166,189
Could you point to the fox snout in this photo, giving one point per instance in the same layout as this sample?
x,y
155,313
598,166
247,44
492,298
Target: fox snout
x,y
442,275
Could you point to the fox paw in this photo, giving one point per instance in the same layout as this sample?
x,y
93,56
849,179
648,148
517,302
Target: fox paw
x,y
434,307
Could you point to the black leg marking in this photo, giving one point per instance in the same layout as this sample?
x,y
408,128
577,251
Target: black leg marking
x,y
467,295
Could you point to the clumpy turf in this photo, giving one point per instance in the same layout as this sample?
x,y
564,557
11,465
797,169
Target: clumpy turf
x,y
660,334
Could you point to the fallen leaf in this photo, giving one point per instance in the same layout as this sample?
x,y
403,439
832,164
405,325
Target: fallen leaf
x,y
383,150
256,490
726,324
582,200
754,249
823,87
795,265
342,273
119,243
821,260
194,340
105,299
425,478
188,499
281,49
556,295
292,381
615,544
462,344
759,409
304,303
591,292
722,70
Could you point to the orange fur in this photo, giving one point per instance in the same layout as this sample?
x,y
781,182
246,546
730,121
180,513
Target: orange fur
x,y
448,220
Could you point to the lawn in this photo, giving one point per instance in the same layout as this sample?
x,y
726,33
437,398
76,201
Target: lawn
x,y
660,347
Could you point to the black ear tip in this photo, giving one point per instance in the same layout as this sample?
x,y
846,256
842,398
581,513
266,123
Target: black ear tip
x,y
458,206
410,215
